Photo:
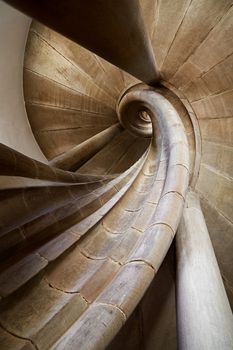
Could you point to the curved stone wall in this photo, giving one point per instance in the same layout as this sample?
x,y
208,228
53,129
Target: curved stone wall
x,y
193,47
15,130
85,226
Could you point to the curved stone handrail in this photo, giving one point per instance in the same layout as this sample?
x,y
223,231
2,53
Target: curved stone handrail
x,y
116,259
83,235
137,270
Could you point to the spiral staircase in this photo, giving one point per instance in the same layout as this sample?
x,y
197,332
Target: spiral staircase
x,y
116,160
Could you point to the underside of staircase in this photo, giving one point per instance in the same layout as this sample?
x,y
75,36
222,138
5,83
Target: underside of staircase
x,y
116,175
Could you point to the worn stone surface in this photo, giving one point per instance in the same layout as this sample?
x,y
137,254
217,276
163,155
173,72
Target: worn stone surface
x,y
43,314
20,272
100,228
124,284
209,314
9,341
103,320
161,334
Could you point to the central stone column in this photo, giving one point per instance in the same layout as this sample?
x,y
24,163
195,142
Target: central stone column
x,y
205,320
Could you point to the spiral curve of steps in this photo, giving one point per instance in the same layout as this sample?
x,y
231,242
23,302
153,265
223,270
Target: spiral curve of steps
x,y
85,230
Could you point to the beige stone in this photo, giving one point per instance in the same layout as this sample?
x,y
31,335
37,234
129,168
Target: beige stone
x,y
104,320
193,31
214,106
169,210
123,285
9,341
153,245
209,313
20,272
219,190
42,315
80,246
